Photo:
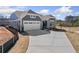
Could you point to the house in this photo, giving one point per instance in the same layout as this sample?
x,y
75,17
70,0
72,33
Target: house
x,y
30,20
48,22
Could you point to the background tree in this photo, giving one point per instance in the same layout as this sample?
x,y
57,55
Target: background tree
x,y
76,22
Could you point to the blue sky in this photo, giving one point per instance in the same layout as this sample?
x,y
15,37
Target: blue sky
x,y
60,12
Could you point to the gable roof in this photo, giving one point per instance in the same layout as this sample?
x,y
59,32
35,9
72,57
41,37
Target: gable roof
x,y
31,12
47,17
50,15
21,14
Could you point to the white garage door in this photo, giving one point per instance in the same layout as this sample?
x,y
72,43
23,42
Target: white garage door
x,y
31,25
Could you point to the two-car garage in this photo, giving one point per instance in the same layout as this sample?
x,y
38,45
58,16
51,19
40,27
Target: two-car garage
x,y
31,25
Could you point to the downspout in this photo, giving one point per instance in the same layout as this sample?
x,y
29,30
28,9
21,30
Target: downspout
x,y
20,24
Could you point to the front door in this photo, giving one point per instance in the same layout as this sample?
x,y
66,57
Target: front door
x,y
44,24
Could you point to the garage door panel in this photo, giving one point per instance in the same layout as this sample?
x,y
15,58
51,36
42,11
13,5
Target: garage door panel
x,y
31,26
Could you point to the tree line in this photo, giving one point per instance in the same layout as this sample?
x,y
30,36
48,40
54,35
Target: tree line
x,y
69,21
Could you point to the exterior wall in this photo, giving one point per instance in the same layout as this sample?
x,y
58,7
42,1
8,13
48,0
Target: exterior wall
x,y
31,25
21,24
48,24
27,17
15,24
41,25
13,16
53,23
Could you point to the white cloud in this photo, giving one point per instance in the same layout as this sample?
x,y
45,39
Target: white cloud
x,y
63,10
6,10
44,11
58,16
9,10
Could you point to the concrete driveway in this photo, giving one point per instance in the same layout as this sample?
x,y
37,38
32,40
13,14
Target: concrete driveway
x,y
50,42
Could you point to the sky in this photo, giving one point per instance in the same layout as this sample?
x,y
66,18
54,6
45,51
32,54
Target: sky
x,y
60,12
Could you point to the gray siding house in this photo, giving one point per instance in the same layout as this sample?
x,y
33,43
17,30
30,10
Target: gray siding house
x,y
30,20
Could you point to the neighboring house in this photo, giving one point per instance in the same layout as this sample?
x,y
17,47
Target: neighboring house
x,y
48,22
30,20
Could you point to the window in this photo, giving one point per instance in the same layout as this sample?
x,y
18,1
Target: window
x,y
50,24
30,22
25,22
32,16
